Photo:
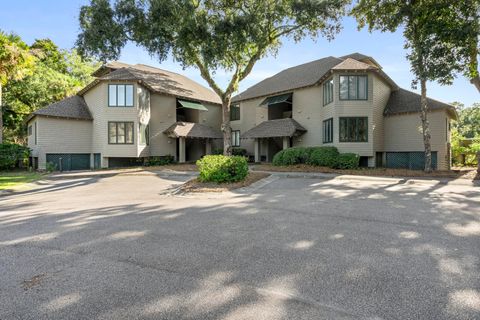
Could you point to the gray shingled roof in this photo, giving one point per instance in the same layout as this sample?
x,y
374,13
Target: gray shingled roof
x,y
301,76
192,130
404,101
73,107
275,128
158,80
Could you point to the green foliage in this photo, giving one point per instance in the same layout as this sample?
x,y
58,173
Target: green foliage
x,y
347,161
210,35
160,160
51,167
323,156
235,151
15,58
56,74
12,154
291,156
468,122
219,168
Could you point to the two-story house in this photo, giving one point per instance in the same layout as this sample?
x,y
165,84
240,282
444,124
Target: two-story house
x,y
127,113
346,102
130,112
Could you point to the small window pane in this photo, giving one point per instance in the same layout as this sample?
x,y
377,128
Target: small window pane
x,y
129,132
121,132
112,132
362,88
112,95
362,129
343,87
121,95
352,87
129,95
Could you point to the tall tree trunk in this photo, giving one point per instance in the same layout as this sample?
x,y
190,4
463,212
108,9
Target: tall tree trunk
x,y
1,116
476,82
425,126
227,131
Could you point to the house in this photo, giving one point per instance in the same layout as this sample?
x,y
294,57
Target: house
x,y
347,102
132,112
128,113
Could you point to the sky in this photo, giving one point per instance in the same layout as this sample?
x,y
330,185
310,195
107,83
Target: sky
x,y
58,20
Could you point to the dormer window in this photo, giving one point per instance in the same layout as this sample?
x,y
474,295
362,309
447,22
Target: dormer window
x,y
354,87
120,95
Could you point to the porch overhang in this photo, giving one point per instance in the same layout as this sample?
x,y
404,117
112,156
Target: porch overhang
x,y
275,129
192,130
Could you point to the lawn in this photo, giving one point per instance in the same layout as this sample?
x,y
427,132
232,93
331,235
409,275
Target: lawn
x,y
15,178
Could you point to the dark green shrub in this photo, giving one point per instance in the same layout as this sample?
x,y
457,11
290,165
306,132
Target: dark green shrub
x,y
239,152
50,167
291,156
217,151
322,156
12,154
219,168
347,161
160,160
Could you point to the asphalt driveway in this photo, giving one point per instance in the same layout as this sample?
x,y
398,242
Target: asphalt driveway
x,y
121,248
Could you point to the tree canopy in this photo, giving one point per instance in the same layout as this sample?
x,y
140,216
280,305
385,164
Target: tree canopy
x,y
55,75
210,35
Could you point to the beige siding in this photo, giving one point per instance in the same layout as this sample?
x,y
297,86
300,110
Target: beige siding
x,y
97,101
248,119
163,115
55,135
404,133
307,110
381,94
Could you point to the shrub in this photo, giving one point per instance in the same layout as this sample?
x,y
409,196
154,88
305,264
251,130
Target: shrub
x,y
160,160
347,161
217,151
50,167
239,152
219,168
12,154
323,156
290,156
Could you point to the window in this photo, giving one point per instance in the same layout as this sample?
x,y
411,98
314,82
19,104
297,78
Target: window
x,y
30,130
35,131
235,138
234,112
144,134
328,131
354,129
120,95
120,132
328,92
353,88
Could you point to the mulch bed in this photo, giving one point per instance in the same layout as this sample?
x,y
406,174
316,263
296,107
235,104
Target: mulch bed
x,y
196,185
385,172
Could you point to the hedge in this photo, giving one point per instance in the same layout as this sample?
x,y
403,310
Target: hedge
x,y
323,156
235,151
347,161
159,160
316,156
219,168
12,154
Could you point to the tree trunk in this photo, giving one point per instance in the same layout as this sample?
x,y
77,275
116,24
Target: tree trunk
x,y
1,116
227,131
476,82
425,126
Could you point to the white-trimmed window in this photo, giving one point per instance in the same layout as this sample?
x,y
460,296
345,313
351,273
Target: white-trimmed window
x,y
120,95
328,131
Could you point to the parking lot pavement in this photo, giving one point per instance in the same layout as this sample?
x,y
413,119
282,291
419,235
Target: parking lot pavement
x,y
120,247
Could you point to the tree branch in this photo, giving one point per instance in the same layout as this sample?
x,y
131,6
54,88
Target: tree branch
x,y
206,75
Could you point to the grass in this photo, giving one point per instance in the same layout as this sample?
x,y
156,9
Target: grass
x,y
14,178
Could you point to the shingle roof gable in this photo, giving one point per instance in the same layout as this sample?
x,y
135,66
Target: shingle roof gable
x,y
73,107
